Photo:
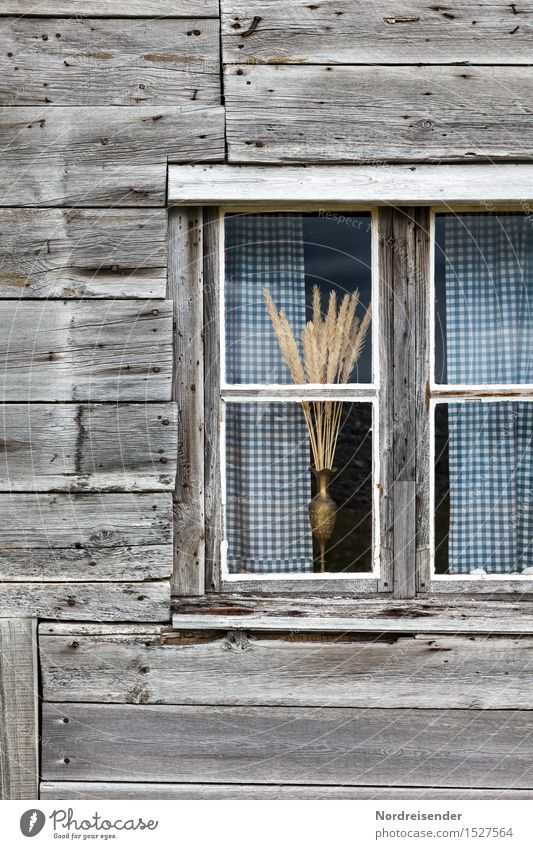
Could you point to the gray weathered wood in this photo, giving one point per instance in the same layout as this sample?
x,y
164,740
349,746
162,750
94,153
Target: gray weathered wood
x,y
383,32
289,113
85,350
19,721
246,669
79,62
112,8
88,563
94,628
422,383
384,311
249,185
212,483
112,156
84,447
91,522
147,601
451,614
333,746
404,539
83,253
138,790
185,289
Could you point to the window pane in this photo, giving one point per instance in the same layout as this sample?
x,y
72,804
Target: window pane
x,y
483,290
269,485
289,254
483,487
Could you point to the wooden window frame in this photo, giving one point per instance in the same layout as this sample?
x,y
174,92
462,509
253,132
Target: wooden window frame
x,y
408,198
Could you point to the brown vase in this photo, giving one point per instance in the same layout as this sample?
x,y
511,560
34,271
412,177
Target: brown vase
x,y
322,513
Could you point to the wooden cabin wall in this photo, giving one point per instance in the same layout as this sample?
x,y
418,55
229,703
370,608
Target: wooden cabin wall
x,y
97,98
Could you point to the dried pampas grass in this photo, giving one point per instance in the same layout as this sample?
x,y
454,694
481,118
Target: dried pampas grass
x,y
331,346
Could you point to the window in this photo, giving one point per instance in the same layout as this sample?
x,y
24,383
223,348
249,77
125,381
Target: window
x,y
431,486
267,410
483,419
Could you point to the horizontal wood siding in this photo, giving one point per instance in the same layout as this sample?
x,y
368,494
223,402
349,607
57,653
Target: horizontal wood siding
x,y
85,447
140,601
331,746
243,669
83,253
78,351
137,790
82,62
113,8
105,156
333,113
384,32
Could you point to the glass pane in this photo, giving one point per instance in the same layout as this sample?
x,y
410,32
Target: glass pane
x,y
483,289
483,487
289,254
269,485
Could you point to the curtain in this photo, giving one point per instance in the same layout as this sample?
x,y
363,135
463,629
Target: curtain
x,y
489,287
267,448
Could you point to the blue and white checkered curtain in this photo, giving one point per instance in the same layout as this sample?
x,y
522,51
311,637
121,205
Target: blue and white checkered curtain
x,y
267,479
489,289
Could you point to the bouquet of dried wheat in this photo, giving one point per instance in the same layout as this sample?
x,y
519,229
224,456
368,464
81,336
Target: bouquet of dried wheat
x,y
331,345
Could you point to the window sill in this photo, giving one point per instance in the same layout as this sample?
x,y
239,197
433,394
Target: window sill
x,y
422,615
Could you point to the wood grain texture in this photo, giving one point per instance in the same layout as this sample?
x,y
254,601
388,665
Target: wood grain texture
x,y
104,537
81,62
19,721
247,669
86,351
333,746
319,185
138,790
384,32
87,447
422,382
146,601
112,8
112,156
185,289
451,614
385,317
288,113
83,253
212,481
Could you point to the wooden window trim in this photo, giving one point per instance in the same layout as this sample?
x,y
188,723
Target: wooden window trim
x,y
405,283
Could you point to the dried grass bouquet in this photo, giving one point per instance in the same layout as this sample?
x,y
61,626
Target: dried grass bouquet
x,y
331,345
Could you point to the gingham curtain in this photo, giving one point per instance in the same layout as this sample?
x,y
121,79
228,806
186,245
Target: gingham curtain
x,y
267,479
489,287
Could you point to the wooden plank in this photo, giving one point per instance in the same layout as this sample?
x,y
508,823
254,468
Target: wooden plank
x,y
87,447
384,32
450,614
138,790
85,537
289,113
317,671
114,156
212,479
113,8
404,539
424,260
19,720
383,313
185,289
148,601
288,745
94,628
86,351
325,185
80,62
83,253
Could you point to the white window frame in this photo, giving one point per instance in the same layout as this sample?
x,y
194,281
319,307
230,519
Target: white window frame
x,y
351,582
473,187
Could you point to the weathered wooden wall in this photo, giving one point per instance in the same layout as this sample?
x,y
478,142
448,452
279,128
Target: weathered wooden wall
x,y
97,98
